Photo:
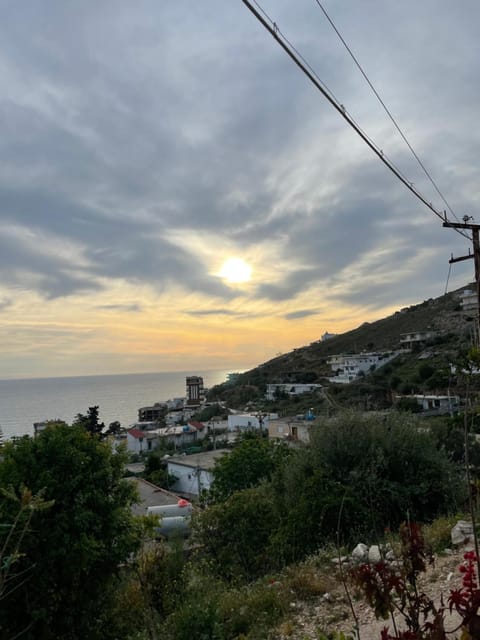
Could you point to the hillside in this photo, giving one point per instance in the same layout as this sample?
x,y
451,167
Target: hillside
x,y
442,315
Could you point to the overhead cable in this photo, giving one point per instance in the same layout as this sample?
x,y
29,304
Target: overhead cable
x,y
274,30
352,55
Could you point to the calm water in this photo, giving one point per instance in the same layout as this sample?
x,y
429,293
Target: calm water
x,y
23,402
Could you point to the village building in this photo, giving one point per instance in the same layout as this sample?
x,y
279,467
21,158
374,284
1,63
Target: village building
x,y
327,336
194,473
149,495
469,302
153,413
348,367
434,404
273,390
195,391
248,421
414,339
292,429
144,440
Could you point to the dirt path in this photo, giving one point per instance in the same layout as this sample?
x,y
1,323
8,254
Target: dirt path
x,y
332,612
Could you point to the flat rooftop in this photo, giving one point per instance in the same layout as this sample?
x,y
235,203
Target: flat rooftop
x,y
204,460
150,496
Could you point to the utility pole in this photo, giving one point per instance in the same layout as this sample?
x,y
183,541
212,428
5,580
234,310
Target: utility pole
x,y
475,229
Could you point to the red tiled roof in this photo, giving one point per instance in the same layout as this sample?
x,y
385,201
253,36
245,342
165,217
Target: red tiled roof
x,y
198,425
136,433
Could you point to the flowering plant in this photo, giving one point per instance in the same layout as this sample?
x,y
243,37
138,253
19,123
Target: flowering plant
x,y
392,590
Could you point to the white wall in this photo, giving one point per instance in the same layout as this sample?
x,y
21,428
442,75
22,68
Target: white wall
x,y
189,478
244,421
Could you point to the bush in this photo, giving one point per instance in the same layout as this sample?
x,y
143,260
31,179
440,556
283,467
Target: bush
x,y
437,534
373,468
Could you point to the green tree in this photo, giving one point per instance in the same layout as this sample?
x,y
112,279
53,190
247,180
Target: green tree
x,y
373,469
90,422
76,546
251,461
156,470
236,533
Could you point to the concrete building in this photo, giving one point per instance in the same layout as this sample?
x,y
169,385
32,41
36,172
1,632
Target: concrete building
x,y
194,473
435,405
153,413
150,496
142,441
415,338
347,367
290,389
246,421
292,429
195,391
328,336
469,302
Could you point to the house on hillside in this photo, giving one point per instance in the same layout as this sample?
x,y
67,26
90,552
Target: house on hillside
x,y
469,302
195,395
194,473
247,421
143,440
348,367
149,495
292,429
153,413
415,338
434,404
273,390
327,336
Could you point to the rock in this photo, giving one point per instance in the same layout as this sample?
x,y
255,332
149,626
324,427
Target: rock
x,y
360,553
461,532
342,560
374,554
390,556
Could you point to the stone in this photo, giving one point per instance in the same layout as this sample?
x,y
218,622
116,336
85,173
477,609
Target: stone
x,y
360,553
461,532
374,554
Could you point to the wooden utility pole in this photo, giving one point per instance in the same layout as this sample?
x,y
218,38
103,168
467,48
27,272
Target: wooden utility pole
x,y
475,229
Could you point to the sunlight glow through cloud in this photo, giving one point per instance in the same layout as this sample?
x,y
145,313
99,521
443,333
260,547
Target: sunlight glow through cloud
x,y
235,270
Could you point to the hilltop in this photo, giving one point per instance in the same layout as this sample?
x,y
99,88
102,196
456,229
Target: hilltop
x,y
424,369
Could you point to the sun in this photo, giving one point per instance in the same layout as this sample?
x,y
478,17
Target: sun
x,y
235,270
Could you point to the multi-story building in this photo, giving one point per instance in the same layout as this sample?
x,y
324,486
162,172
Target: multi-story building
x,y
195,391
347,367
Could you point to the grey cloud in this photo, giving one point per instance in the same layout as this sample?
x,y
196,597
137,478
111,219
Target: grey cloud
x,y
302,313
134,308
123,130
5,303
212,312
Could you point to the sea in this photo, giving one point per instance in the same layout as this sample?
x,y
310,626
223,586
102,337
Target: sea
x,y
25,401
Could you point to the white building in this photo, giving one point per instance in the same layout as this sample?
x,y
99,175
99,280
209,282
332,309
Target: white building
x,y
290,389
435,405
142,441
291,429
328,336
194,473
347,367
409,340
469,302
246,421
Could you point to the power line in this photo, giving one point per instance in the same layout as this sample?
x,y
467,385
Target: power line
x,y
273,29
352,55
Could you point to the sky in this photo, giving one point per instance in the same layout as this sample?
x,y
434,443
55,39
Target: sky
x,y
146,143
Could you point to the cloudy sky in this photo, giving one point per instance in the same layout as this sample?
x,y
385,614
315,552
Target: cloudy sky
x,y
146,143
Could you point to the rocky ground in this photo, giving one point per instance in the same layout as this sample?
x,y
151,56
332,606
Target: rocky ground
x,y
331,611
